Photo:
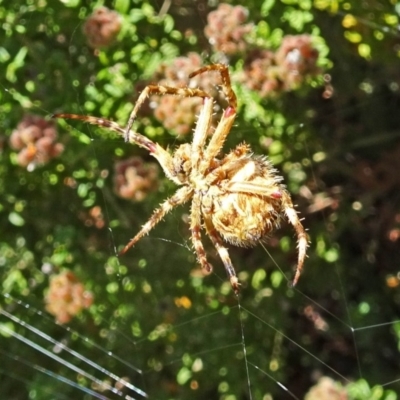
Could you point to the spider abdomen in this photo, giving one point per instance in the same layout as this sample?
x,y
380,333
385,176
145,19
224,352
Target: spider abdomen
x,y
244,219
247,206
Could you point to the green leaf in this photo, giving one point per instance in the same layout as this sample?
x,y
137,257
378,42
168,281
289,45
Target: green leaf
x,y
16,64
266,7
122,6
184,375
16,219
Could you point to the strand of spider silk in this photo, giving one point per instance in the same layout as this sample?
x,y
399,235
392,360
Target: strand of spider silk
x,y
244,349
74,332
51,374
67,364
341,285
178,360
296,344
276,264
277,382
72,352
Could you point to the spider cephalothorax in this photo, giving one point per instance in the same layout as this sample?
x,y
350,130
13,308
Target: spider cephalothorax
x,y
237,198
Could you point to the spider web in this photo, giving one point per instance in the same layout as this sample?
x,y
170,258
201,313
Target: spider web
x,y
240,340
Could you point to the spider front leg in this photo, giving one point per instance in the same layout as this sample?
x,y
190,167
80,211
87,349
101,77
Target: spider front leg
x,y
228,116
181,196
200,133
133,137
161,90
226,81
161,155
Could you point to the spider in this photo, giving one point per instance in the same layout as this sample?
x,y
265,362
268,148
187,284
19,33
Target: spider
x,y
237,198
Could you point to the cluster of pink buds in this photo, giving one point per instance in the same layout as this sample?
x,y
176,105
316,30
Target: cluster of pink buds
x,y
226,29
66,297
134,179
178,114
269,72
102,27
36,140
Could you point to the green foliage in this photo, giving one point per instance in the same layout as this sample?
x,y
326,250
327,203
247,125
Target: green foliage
x,y
360,390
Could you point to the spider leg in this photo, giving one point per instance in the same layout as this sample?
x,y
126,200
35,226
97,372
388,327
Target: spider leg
x,y
302,239
228,116
221,132
133,137
291,214
200,133
254,189
223,253
162,156
226,81
181,196
195,229
161,90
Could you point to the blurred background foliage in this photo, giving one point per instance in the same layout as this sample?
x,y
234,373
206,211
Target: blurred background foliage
x,y
318,88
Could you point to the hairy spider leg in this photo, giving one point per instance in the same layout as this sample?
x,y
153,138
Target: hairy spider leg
x,y
223,253
133,137
228,116
162,156
215,145
182,195
203,124
302,239
254,189
226,81
161,90
195,229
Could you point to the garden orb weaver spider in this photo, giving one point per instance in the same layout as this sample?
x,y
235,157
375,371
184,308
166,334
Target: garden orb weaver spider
x,y
237,198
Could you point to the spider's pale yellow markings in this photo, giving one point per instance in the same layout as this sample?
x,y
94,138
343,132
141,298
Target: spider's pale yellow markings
x,y
239,196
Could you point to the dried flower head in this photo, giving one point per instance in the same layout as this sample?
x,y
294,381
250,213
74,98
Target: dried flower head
x,y
297,58
66,297
327,389
179,115
270,73
260,73
102,27
135,179
35,138
226,29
